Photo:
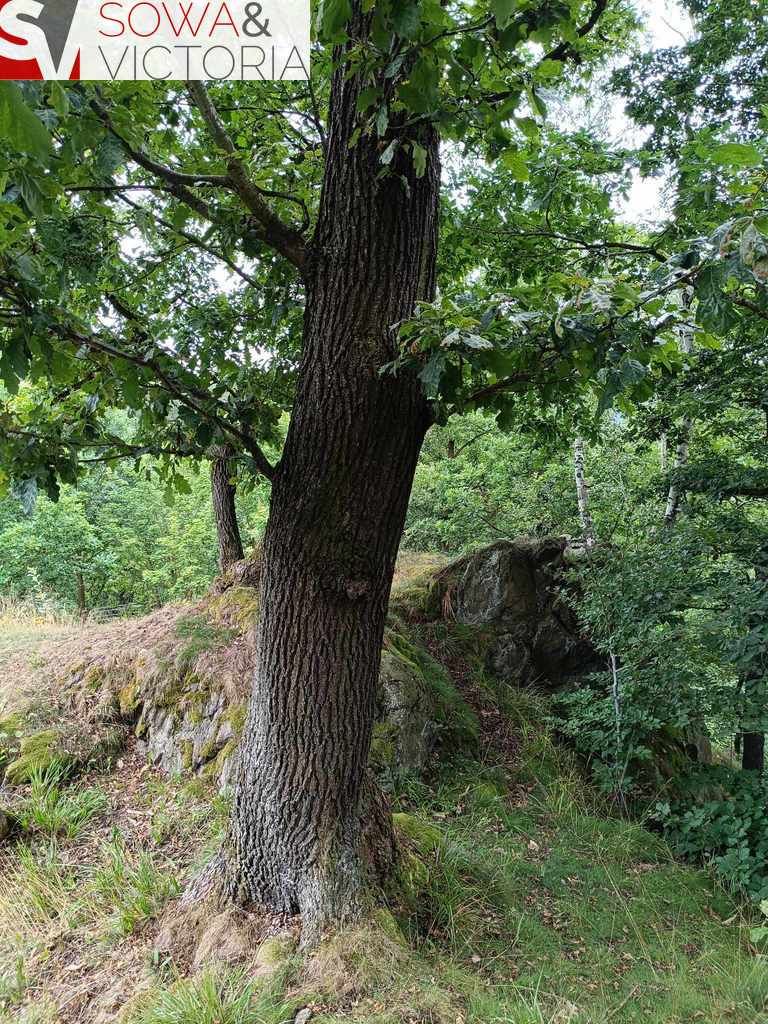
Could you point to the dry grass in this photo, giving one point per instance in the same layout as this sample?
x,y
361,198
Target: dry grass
x,y
414,565
78,916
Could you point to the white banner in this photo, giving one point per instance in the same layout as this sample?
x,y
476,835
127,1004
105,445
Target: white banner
x,y
154,40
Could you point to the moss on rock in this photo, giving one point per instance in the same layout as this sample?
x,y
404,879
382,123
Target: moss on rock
x,y
37,753
128,699
423,836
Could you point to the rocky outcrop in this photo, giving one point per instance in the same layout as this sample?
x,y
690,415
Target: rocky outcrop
x,y
513,593
180,679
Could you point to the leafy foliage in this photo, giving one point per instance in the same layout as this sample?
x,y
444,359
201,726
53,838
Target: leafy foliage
x,y
725,823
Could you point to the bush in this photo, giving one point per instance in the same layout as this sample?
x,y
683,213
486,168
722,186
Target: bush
x,y
727,825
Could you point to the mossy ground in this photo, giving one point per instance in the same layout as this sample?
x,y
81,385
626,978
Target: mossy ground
x,y
522,900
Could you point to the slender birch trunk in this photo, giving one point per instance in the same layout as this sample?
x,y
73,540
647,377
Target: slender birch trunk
x,y
674,494
582,493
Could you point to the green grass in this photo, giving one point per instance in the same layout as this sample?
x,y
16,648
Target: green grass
x,y
558,911
53,809
132,887
214,998
531,902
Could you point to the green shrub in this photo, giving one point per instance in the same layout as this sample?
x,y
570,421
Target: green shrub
x,y
729,827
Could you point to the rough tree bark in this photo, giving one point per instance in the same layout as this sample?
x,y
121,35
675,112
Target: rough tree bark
x,y
339,500
224,510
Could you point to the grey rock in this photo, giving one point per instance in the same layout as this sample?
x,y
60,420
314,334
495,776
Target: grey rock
x,y
513,591
406,712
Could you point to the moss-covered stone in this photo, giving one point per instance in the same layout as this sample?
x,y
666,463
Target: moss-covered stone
x,y
422,835
37,752
236,715
93,677
128,699
238,604
385,922
383,754
425,684
214,769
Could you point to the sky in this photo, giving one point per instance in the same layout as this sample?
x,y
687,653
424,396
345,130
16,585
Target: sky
x,y
667,25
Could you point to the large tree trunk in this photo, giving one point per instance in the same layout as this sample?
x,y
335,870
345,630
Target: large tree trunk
x,y
339,500
224,510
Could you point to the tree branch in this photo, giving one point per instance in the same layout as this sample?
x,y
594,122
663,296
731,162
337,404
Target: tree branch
x,y
562,52
188,396
177,182
283,238
752,307
198,242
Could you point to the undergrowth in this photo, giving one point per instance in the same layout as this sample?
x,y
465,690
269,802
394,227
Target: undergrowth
x,y
211,998
133,888
54,809
523,898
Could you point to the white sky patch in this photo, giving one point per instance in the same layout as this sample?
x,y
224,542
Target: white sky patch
x,y
666,25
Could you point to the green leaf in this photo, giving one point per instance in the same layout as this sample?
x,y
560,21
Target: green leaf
x,y
714,310
406,17
419,159
20,126
389,152
432,373
367,96
59,99
382,120
549,69
333,16
738,154
514,160
181,484
32,194
503,11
